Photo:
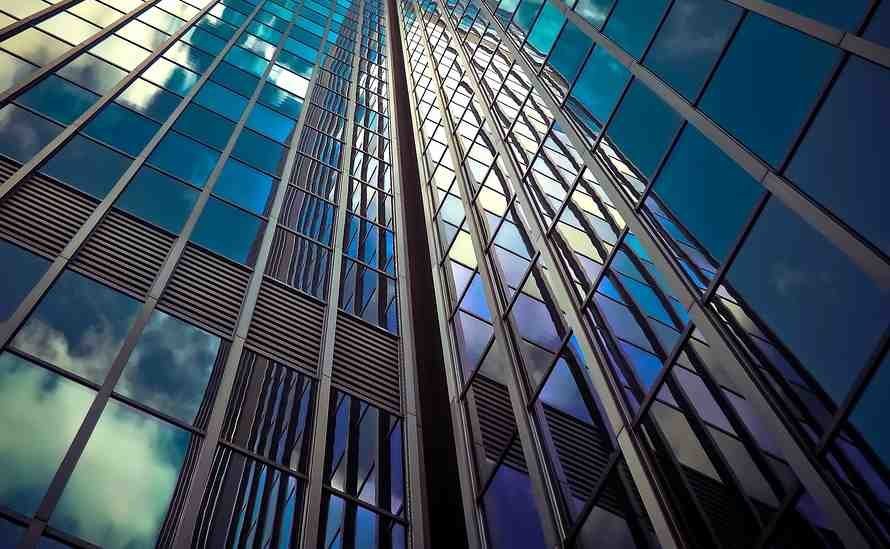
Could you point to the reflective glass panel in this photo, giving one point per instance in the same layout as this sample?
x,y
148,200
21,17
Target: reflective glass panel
x,y
600,84
21,271
122,128
229,231
205,126
221,100
245,186
632,24
280,100
93,73
58,99
259,152
23,133
148,99
643,127
174,149
235,79
171,76
158,198
87,165
271,124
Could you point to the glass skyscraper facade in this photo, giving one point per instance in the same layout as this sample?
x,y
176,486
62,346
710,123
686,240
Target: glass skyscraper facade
x,y
444,273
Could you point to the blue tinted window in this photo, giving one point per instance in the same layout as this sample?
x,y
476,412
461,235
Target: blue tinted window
x,y
171,76
204,40
878,28
600,84
818,303
13,70
643,127
22,133
259,152
243,59
280,100
766,84
594,11
708,192
271,124
510,513
216,26
148,454
170,367
869,415
235,79
80,325
266,33
525,15
148,99
845,15
632,24
121,128
295,63
546,28
49,409
58,99
205,126
159,199
92,73
228,231
689,42
301,49
245,186
842,161
87,165
21,271
222,100
184,158
569,52
189,57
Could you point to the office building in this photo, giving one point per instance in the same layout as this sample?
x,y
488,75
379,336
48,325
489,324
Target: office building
x,y
444,273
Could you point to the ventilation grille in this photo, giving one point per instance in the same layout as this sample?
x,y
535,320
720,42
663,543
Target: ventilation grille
x,y
496,422
206,289
583,451
125,251
42,214
287,326
366,363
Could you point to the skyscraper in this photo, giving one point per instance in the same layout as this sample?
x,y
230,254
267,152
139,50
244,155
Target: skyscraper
x,y
444,273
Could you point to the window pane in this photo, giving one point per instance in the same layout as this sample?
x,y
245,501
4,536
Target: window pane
x,y
296,64
138,32
235,79
594,11
842,161
23,134
767,117
271,124
35,46
643,127
844,15
170,367
184,158
68,27
288,81
632,24
546,28
204,40
87,165
158,199
259,152
828,313
708,192
510,511
280,100
58,99
600,84
221,100
119,491
22,269
689,42
188,56
568,54
120,52
245,186
243,59
79,325
148,99
50,409
205,126
868,415
171,76
93,73
13,70
228,231
122,128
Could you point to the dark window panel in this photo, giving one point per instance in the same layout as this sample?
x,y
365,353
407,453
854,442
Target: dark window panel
x,y
271,124
58,99
87,165
148,99
235,79
121,128
843,15
205,126
22,270
229,231
23,134
245,187
632,25
174,148
259,152
158,199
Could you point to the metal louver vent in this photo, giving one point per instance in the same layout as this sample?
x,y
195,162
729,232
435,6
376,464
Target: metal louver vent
x,y
207,289
366,363
287,325
42,213
124,251
496,422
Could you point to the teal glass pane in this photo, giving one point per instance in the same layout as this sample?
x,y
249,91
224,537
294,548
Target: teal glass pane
x,y
49,409
594,11
766,84
643,127
58,99
633,23
87,165
204,40
216,26
841,162
247,61
526,13
122,128
295,63
221,100
184,158
205,126
148,99
229,231
708,193
271,124
170,367
600,84
827,312
21,271
845,15
245,186
189,57
121,487
158,199
255,45
23,134
79,326
171,76
235,79
92,73
281,101
259,152
570,51
868,415
546,28
298,48
690,41
266,33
